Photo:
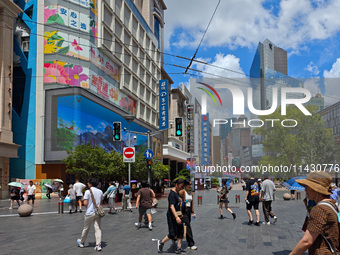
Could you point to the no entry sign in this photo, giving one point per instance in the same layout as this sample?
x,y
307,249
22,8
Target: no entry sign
x,y
129,154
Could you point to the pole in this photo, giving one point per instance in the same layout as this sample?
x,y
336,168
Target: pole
x,y
129,162
149,171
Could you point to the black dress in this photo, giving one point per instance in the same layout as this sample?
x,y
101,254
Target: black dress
x,y
175,230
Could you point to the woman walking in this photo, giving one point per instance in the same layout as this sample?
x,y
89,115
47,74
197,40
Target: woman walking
x,y
175,225
188,212
15,196
322,233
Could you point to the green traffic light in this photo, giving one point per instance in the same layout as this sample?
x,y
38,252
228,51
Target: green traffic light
x,y
116,137
179,132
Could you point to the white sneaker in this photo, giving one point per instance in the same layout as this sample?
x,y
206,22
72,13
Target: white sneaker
x,y
275,219
266,223
98,247
150,226
138,225
193,247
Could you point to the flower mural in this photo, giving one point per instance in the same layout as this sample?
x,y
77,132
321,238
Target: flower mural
x,y
128,104
53,43
76,76
55,73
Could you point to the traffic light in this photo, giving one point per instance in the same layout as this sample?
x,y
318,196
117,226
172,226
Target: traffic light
x,y
149,164
116,131
178,123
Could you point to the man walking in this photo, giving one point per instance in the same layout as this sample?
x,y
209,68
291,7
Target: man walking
x,y
31,192
253,199
126,196
267,193
144,201
91,215
78,187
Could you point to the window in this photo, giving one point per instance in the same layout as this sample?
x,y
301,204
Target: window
x,y
157,31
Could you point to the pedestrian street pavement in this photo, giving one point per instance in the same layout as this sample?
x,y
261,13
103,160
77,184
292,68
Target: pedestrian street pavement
x,y
47,232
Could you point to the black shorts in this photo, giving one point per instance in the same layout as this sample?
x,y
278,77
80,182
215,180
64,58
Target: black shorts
x,y
78,198
224,201
254,204
29,197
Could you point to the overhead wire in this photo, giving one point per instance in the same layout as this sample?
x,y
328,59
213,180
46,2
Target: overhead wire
x,y
165,53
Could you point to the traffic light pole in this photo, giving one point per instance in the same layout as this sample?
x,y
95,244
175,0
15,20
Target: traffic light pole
x,y
149,170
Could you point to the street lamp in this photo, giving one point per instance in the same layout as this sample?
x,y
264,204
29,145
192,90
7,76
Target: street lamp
x,y
129,119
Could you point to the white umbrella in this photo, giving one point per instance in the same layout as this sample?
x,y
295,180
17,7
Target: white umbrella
x,y
16,184
48,185
58,180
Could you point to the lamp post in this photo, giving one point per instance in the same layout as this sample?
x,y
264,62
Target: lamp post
x,y
129,119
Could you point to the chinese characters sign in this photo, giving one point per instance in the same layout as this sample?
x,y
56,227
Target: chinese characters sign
x,y
163,104
205,140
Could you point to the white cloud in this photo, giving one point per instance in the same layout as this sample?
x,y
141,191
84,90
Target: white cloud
x,y
334,72
244,23
223,66
91,129
312,68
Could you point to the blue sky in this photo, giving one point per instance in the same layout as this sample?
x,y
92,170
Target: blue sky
x,y
307,29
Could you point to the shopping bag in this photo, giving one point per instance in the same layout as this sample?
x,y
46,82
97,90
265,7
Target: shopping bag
x,y
67,199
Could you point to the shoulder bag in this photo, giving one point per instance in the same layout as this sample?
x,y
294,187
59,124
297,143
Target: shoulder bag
x,y
100,209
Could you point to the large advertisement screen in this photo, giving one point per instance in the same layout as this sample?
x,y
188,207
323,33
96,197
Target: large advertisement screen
x,y
75,117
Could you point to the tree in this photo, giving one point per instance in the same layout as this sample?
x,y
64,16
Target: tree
x,y
87,161
185,173
309,140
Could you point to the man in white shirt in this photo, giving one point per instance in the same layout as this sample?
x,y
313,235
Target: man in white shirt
x,y
91,214
79,187
267,196
31,192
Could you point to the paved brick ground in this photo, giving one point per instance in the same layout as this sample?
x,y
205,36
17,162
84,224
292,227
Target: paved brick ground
x,y
46,232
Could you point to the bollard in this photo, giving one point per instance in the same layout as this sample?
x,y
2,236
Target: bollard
x,y
60,207
124,204
298,196
199,200
237,198
218,199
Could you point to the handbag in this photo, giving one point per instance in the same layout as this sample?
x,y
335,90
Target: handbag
x,y
100,209
179,214
67,199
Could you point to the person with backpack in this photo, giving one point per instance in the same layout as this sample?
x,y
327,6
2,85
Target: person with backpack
x,y
322,232
111,195
224,190
253,199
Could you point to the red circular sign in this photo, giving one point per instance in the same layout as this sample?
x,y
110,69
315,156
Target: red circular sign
x,y
129,153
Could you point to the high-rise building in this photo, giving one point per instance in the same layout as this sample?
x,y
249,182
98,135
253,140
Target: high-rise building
x,y
268,71
81,65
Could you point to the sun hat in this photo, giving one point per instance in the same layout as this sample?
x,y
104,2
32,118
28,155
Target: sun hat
x,y
318,181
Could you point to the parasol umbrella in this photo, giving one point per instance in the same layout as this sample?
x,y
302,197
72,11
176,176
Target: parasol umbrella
x,y
48,185
291,184
58,180
16,184
166,180
133,180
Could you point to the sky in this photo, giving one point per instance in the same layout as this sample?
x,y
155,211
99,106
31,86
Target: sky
x,y
307,29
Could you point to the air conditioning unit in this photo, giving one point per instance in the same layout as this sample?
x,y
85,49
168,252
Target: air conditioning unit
x,y
25,45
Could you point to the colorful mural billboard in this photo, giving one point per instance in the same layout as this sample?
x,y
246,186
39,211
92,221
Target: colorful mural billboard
x,y
79,121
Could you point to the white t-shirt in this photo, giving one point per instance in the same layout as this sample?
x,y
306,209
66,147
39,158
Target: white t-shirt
x,y
98,196
78,187
188,198
31,189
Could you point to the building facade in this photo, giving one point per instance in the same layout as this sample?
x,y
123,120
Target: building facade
x,y
84,64
8,12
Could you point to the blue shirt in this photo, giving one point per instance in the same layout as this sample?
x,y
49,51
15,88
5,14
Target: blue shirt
x,y
127,189
335,194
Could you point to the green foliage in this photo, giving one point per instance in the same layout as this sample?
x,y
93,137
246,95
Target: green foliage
x,y
309,140
214,181
184,173
85,162
65,135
